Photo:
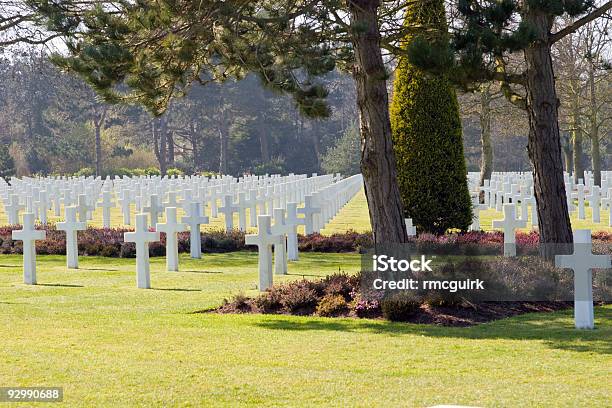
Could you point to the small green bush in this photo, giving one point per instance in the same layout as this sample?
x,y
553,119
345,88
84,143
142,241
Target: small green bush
x,y
399,307
85,172
331,306
173,171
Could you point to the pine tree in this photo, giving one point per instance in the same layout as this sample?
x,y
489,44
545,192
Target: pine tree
x,y
485,36
427,137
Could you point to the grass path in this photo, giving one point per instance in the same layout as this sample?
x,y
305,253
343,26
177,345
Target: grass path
x,y
110,344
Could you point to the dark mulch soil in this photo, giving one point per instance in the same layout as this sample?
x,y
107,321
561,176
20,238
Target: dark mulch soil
x,y
460,316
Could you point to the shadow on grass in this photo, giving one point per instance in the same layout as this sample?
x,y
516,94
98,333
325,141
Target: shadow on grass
x,y
193,271
178,289
60,285
305,274
97,269
555,329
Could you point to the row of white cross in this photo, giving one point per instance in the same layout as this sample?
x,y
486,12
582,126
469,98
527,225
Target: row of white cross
x,y
507,190
151,195
282,233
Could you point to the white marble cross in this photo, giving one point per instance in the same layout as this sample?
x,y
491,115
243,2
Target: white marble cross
x,y
171,227
509,223
580,196
107,203
294,221
242,206
309,212
581,262
194,220
280,250
264,239
82,208
154,208
71,226
125,202
12,209
142,236
228,209
29,235
594,200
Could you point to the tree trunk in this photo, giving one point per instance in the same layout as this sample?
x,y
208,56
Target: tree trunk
x,y
567,154
98,148
170,142
486,159
159,140
593,127
377,158
544,145
197,165
223,150
316,144
576,137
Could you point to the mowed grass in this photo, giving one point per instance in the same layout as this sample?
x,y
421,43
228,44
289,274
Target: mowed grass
x,y
110,344
353,216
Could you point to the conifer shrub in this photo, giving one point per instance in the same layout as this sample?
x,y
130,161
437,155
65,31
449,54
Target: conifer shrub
x,y
427,137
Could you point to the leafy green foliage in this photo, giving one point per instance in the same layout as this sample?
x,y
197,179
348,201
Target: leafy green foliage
x,y
427,140
7,164
344,157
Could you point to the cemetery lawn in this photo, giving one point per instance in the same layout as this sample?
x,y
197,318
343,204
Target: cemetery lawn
x,y
110,344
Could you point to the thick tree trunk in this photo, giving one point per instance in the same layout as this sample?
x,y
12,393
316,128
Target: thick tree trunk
x,y
486,159
377,158
159,140
544,145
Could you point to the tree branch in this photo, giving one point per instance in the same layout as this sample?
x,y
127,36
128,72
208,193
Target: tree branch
x,y
598,12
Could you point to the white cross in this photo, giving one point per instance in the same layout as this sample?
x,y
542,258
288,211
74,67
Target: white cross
x,y
44,206
171,227
509,223
71,226
194,220
293,220
125,202
82,208
12,209
280,250
29,235
594,200
253,200
243,204
154,209
581,262
142,236
107,203
264,239
309,212
171,200
228,210
580,196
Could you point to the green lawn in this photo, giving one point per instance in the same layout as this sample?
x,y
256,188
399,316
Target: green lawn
x,y
110,344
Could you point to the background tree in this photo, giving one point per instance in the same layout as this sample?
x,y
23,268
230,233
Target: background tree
x,y
485,34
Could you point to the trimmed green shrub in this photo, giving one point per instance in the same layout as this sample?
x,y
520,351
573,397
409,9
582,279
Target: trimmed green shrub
x,y
85,172
400,307
427,138
331,306
173,171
